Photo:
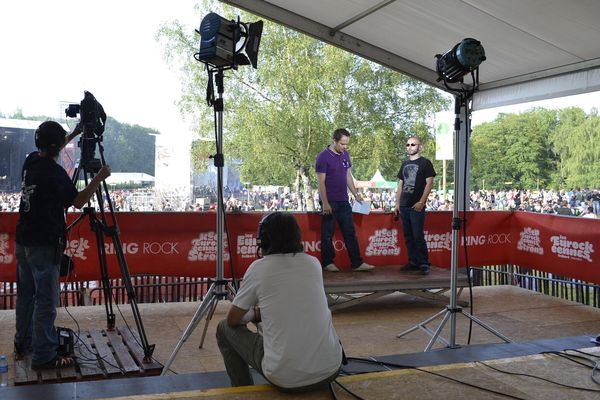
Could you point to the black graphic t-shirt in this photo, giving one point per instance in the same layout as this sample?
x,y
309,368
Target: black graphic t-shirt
x,y
413,174
46,190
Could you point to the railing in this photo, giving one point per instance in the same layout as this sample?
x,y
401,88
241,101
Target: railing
x,y
147,289
542,282
167,289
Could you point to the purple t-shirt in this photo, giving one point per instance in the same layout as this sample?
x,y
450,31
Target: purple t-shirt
x,y
335,167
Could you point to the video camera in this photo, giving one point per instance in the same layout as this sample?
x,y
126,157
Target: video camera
x,y
93,120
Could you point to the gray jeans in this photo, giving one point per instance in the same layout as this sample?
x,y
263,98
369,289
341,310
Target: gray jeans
x,y
241,347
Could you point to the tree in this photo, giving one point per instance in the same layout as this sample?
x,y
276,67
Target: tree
x,y
514,148
127,148
577,144
280,116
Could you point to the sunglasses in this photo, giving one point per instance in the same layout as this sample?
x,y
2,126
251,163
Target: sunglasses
x,y
411,144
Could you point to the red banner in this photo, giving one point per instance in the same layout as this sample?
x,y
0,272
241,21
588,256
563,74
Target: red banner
x,y
564,246
185,244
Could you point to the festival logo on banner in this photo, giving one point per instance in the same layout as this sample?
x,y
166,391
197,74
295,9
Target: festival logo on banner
x,y
246,245
530,241
481,240
438,241
571,249
5,258
76,248
384,242
204,247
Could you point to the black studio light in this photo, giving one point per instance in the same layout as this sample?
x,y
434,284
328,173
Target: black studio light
x,y
223,42
465,57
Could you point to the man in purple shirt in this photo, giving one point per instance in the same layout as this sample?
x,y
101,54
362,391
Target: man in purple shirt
x,y
334,173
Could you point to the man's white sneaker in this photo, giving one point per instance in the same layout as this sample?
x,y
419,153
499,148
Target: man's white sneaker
x,y
331,268
364,267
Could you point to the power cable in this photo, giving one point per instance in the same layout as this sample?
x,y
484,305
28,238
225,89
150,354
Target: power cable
x,y
345,389
465,242
400,366
540,377
594,365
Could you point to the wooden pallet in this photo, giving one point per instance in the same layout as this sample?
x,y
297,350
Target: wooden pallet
x,y
99,354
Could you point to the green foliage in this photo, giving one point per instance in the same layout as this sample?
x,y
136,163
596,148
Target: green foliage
x,y
280,116
515,148
538,148
128,148
577,144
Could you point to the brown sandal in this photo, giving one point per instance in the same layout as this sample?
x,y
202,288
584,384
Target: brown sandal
x,y
56,362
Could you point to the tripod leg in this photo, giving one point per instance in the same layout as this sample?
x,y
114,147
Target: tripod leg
x,y
106,286
414,328
437,332
209,316
486,327
205,306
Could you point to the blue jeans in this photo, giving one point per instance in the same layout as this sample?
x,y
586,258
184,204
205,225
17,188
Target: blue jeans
x,y
37,299
413,223
342,214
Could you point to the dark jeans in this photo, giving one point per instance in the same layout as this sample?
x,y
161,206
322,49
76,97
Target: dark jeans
x,y
342,214
412,225
37,299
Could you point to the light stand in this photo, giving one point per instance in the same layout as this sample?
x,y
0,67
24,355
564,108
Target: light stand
x,y
220,288
461,101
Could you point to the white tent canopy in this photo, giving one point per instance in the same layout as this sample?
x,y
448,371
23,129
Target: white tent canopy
x,y
377,177
535,49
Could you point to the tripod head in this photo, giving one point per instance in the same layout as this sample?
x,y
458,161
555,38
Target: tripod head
x,y
93,121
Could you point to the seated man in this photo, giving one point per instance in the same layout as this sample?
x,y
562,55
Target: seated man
x,y
298,349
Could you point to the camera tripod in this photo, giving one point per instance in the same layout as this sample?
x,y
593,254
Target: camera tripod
x,y
220,288
101,228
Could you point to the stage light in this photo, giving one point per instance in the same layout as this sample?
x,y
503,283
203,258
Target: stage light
x,y
223,42
465,57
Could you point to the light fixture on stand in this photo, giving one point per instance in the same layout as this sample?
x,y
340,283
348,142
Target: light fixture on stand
x,y
464,58
224,44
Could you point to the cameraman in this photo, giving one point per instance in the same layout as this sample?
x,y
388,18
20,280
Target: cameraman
x,y
46,191
298,349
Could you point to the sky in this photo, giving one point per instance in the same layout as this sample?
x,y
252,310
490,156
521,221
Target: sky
x,y
54,50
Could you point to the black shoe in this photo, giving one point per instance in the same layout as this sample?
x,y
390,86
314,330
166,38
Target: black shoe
x,y
424,269
21,352
410,268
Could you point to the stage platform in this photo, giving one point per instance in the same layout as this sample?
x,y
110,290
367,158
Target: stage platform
x,y
532,320
346,288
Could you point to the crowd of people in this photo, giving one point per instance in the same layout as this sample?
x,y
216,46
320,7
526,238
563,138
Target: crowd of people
x,y
576,202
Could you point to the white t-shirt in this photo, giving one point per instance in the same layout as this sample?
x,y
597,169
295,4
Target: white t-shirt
x,y
300,343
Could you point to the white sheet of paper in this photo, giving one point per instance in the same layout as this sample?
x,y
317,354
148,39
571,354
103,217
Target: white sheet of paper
x,y
362,208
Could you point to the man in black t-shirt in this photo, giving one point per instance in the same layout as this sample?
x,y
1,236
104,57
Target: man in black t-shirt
x,y
46,191
415,180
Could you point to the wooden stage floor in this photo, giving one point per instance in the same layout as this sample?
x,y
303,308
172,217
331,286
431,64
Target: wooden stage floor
x,y
367,329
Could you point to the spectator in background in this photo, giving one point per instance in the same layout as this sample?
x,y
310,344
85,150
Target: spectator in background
x,y
564,209
589,213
